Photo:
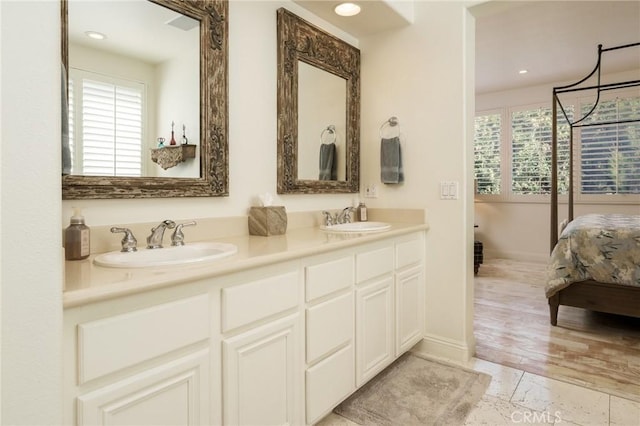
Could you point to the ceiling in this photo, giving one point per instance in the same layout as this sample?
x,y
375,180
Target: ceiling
x,y
554,40
135,28
375,16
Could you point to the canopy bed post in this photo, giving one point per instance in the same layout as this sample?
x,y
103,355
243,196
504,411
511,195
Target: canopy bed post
x,y
554,171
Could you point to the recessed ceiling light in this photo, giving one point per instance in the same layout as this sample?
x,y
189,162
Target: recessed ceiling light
x,y
95,35
523,71
347,9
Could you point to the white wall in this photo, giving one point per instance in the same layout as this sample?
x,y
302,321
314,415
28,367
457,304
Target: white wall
x,y
31,263
423,74
179,101
521,230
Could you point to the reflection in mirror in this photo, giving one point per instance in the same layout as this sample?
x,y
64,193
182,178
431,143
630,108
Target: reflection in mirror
x,y
133,71
157,77
322,102
318,87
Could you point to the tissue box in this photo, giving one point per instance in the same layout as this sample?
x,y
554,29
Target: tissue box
x,y
267,221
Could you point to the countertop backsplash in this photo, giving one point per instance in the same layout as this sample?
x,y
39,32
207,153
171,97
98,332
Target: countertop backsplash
x,y
102,240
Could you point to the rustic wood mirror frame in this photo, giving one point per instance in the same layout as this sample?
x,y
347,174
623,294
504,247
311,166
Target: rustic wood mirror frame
x,y
214,150
298,40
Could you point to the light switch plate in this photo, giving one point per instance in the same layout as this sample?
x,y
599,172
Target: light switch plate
x,y
371,191
449,190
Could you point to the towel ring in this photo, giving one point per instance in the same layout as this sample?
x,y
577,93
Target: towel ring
x,y
331,129
391,122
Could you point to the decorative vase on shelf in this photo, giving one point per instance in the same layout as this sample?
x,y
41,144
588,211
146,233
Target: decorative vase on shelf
x,y
173,139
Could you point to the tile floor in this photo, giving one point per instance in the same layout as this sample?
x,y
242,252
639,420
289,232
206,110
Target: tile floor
x,y
515,397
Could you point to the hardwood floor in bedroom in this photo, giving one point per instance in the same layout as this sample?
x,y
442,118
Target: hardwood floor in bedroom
x,y
595,350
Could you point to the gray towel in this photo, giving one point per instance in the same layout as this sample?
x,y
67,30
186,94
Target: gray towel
x,y
66,152
391,161
328,169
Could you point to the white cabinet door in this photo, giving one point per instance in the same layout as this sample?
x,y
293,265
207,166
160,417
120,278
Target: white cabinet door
x,y
374,328
409,308
176,393
262,375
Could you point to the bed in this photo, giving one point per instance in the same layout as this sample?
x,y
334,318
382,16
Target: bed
x,y
595,259
596,265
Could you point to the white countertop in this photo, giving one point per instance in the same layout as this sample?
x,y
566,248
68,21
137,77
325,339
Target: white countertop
x,y
87,283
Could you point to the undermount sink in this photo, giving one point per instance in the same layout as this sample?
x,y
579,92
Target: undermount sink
x,y
357,227
181,255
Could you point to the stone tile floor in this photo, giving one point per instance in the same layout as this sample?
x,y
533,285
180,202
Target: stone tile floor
x,y
517,397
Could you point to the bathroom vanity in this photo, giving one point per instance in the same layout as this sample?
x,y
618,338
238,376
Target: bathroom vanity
x,y
279,333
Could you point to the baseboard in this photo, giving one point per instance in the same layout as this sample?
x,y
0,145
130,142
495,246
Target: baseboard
x,y
445,349
521,256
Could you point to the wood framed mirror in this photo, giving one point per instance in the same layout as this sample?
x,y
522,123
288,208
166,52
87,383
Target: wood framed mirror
x,y
208,108
311,63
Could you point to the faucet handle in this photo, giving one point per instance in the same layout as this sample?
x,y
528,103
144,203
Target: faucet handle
x,y
129,242
177,238
328,219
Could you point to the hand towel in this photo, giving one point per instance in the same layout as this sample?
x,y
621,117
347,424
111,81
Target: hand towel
x,y
328,169
391,161
66,151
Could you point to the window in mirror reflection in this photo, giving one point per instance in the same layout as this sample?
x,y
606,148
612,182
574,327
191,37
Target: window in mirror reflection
x,y
131,86
321,102
105,125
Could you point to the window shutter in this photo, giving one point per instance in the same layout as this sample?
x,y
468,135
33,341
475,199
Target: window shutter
x,y
610,154
487,153
531,151
111,129
105,124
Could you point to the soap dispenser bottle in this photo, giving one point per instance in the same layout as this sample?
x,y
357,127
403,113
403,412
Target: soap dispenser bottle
x,y
362,212
76,238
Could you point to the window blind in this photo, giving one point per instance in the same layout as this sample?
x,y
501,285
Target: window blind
x,y
610,154
531,151
487,153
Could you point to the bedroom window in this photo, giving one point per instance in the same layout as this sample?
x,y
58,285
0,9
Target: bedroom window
x,y
487,153
107,115
531,152
610,154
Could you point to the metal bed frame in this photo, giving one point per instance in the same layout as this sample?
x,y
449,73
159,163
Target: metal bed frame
x,y
592,295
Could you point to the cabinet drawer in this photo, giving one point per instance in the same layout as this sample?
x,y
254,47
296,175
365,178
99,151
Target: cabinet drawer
x,y
329,382
246,303
325,278
409,253
329,325
111,344
374,263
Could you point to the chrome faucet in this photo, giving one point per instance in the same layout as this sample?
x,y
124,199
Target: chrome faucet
x,y
338,218
154,240
345,216
129,242
177,238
